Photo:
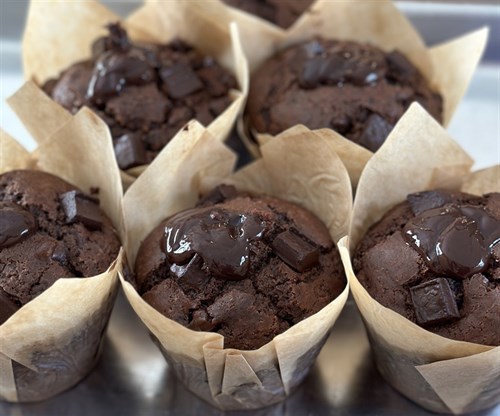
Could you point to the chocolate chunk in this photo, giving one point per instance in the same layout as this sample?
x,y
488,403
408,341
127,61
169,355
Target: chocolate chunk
x,y
190,276
400,68
113,71
375,132
454,241
129,151
423,201
118,38
295,251
221,238
180,80
219,194
16,224
7,307
53,249
434,302
82,208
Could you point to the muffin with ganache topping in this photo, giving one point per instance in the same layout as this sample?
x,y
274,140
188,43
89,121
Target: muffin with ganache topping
x,y
356,89
435,259
247,267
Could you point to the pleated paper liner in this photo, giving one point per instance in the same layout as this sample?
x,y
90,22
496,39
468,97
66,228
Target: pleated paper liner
x,y
53,341
299,167
440,374
60,33
448,67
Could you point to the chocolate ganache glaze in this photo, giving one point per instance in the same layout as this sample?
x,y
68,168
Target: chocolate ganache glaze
x,y
247,267
436,260
144,92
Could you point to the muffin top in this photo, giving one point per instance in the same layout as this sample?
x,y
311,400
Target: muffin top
x,y
355,89
144,92
247,267
435,259
283,13
48,229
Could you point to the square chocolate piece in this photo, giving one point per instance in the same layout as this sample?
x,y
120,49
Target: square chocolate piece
x,y
82,208
434,302
295,251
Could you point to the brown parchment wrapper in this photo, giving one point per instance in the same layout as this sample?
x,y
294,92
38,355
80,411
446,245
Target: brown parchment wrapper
x,y
52,342
448,67
299,167
50,45
438,373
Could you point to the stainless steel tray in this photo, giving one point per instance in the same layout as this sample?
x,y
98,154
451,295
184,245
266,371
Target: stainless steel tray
x,y
133,379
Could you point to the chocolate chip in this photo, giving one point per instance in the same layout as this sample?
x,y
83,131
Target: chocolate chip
x,y
191,275
219,194
118,38
7,306
180,80
400,68
424,201
434,302
295,251
313,48
81,208
375,132
129,151
16,224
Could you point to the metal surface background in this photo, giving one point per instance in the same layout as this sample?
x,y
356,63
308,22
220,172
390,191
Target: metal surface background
x,y
133,379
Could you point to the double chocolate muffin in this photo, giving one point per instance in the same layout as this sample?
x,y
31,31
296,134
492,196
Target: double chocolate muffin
x,y
435,259
144,92
247,267
283,13
355,89
48,230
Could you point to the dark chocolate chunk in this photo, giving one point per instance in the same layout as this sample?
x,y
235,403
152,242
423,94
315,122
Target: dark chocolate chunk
x,y
375,132
221,238
129,151
191,275
423,201
113,71
295,251
219,194
453,240
118,38
180,80
201,321
54,250
16,224
7,307
434,302
400,68
82,208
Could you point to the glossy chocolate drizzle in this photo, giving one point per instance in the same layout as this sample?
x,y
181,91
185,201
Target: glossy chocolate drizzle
x,y
218,237
454,240
16,224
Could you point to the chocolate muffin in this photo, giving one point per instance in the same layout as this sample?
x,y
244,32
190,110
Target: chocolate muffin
x,y
435,259
145,93
247,267
48,229
355,89
283,13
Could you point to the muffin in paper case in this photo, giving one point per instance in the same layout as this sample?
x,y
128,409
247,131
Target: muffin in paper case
x,y
440,374
54,341
50,45
310,175
448,67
